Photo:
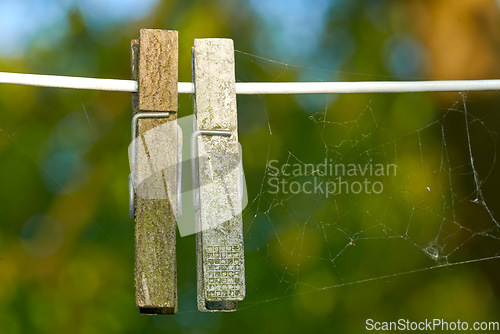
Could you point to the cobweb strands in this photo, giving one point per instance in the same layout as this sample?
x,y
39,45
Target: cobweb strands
x,y
367,187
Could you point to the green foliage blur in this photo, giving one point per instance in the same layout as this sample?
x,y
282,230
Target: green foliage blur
x,y
313,264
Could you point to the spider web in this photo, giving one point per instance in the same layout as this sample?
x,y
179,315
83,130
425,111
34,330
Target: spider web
x,y
434,212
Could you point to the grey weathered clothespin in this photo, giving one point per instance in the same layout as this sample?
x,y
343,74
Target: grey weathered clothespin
x,y
154,159
217,178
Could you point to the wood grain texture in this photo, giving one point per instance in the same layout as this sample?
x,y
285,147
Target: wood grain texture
x,y
154,65
220,257
158,70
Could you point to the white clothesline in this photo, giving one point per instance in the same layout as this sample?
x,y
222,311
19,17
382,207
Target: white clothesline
x,y
68,82
250,88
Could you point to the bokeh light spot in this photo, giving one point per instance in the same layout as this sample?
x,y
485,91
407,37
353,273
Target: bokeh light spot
x,y
41,236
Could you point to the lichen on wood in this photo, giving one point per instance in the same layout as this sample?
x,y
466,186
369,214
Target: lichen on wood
x,y
220,258
154,66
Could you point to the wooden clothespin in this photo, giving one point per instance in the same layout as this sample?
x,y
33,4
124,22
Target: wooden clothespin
x,y
217,178
154,181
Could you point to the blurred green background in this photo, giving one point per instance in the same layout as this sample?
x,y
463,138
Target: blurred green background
x,y
313,264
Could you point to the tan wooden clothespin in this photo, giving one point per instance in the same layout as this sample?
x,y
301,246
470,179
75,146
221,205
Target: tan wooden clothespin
x,y
154,182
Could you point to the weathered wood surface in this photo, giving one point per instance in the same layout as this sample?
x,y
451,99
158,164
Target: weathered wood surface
x,y
158,70
154,66
220,260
